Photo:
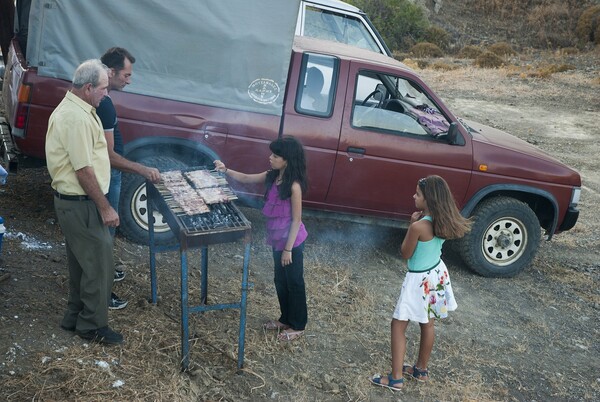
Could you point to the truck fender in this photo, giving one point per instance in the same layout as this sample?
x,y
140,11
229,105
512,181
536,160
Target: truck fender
x,y
144,147
513,188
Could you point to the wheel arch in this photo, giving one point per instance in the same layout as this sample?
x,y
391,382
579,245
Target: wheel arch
x,y
541,202
185,150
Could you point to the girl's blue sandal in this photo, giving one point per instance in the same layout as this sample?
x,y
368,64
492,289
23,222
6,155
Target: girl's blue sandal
x,y
376,380
416,373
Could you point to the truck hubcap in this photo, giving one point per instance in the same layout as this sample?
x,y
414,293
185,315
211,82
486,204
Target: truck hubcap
x,y
139,211
504,241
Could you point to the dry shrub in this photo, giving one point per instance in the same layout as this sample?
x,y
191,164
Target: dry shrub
x,y
547,71
438,65
488,60
470,52
501,49
588,25
411,63
565,51
426,49
438,36
505,8
423,64
400,56
552,24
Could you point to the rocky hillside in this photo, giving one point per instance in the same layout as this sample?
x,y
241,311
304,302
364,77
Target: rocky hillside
x,y
522,23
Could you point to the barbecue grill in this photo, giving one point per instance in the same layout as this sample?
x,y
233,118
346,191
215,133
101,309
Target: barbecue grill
x,y
224,223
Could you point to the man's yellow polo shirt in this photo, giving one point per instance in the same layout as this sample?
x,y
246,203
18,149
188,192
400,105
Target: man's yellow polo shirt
x,y
75,140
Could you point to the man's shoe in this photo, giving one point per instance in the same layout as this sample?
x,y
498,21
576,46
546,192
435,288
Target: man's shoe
x,y
70,329
115,303
119,275
103,335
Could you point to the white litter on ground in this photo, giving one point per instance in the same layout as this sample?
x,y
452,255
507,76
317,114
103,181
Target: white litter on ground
x,y
118,383
28,242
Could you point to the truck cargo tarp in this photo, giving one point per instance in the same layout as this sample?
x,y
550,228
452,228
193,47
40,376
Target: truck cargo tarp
x,y
226,53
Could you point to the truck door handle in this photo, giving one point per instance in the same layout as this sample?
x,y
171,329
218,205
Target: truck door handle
x,y
354,150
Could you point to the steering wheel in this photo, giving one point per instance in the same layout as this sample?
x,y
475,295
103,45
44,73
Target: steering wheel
x,y
369,96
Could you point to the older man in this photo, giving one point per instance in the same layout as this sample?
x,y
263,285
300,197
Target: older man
x,y
120,69
77,159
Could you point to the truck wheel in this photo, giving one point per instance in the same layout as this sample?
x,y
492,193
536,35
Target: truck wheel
x,y
133,210
503,240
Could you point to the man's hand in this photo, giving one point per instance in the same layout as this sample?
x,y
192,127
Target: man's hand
x,y
110,217
151,174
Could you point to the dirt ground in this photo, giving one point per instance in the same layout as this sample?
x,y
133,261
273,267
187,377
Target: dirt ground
x,y
530,338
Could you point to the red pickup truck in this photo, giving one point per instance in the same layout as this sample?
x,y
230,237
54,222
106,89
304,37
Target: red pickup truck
x,y
371,128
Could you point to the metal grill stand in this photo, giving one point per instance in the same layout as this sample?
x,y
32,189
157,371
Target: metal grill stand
x,y
200,232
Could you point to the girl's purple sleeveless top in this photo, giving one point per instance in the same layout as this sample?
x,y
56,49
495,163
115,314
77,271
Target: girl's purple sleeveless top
x,y
279,219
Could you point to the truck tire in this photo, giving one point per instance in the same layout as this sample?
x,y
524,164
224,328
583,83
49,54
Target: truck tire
x,y
503,240
133,209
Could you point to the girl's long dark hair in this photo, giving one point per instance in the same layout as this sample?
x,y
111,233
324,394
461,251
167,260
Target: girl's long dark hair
x,y
290,149
448,223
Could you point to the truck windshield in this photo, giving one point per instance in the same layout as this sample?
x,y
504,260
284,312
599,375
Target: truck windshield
x,y
329,25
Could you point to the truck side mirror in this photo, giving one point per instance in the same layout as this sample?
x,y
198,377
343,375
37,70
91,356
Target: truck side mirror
x,y
454,137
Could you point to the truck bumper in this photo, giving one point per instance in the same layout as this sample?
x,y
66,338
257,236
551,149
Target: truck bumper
x,y
8,150
570,219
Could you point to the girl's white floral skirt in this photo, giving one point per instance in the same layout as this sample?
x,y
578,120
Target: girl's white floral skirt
x,y
425,295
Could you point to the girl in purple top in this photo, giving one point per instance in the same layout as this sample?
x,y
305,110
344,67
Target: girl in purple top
x,y
285,183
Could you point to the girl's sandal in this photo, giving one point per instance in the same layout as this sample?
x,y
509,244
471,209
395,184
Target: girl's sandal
x,y
394,385
274,325
289,335
418,374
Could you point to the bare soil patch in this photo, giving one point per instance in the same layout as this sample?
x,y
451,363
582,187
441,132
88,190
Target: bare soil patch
x,y
533,337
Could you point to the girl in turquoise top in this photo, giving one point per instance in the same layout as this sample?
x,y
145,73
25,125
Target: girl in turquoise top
x,y
426,291
285,182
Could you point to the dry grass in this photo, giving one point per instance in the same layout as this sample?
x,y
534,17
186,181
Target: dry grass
x,y
440,65
547,70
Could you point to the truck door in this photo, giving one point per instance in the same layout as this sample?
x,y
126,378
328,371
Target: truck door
x,y
313,114
393,133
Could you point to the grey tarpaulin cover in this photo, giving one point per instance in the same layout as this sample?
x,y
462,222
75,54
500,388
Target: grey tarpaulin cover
x,y
227,53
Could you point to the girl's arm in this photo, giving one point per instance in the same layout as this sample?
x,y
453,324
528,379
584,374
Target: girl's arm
x,y
239,176
410,240
418,230
296,201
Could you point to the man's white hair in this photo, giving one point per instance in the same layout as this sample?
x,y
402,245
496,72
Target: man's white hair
x,y
88,72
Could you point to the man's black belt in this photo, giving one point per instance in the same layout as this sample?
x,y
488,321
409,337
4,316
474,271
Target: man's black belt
x,y
71,197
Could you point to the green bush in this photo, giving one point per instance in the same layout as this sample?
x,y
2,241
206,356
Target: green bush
x,y
426,49
400,22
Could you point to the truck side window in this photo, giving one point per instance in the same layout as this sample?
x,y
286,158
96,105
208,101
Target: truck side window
x,y
395,104
317,85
